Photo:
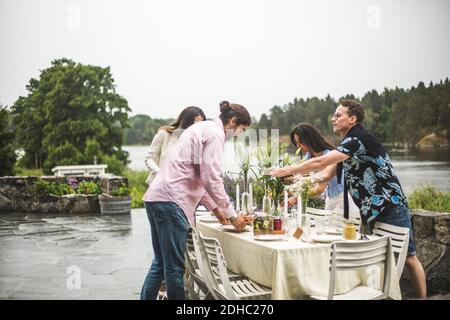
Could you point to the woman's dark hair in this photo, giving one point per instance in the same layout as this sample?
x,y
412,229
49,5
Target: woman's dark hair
x,y
228,111
311,137
185,119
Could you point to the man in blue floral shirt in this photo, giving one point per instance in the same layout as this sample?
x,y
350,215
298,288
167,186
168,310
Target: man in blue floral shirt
x,y
369,179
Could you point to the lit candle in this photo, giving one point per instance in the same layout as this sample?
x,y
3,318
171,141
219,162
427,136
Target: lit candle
x,y
250,190
299,204
299,211
237,197
285,202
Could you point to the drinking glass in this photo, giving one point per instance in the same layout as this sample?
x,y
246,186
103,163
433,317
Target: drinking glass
x,y
320,223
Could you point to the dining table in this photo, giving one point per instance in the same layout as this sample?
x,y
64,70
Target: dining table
x,y
293,268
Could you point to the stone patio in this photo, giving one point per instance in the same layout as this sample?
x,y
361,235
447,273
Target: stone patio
x,y
39,253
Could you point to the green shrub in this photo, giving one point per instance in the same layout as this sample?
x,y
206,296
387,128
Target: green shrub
x,y
136,198
21,171
88,187
430,198
57,189
137,185
122,191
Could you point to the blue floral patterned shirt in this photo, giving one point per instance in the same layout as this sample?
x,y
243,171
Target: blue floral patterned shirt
x,y
370,181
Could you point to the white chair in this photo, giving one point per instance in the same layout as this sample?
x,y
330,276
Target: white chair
x,y
348,256
337,220
198,271
225,287
313,213
318,212
400,239
194,282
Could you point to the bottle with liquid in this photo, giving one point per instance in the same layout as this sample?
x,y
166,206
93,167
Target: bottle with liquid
x,y
349,230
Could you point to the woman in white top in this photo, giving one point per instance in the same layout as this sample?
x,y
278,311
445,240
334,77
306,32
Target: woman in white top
x,y
167,136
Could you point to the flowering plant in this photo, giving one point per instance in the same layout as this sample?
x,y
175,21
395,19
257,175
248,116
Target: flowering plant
x,y
302,187
274,186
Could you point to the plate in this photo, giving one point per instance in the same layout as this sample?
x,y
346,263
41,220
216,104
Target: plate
x,y
231,228
326,238
268,237
334,231
208,219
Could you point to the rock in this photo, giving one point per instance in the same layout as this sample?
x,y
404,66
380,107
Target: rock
x,y
6,204
422,223
438,277
442,227
81,205
429,252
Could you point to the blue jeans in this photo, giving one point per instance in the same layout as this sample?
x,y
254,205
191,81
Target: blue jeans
x,y
398,216
169,228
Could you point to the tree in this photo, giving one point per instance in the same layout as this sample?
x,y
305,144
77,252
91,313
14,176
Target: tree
x,y
68,108
7,154
142,128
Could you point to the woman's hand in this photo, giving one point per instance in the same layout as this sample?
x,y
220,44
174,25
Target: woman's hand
x,y
278,172
220,216
238,223
248,218
291,202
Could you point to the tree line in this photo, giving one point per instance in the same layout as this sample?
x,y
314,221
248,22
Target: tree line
x,y
398,116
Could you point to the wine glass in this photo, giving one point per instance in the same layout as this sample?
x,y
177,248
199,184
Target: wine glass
x,y
319,222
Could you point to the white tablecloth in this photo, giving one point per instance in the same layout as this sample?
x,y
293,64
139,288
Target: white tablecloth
x,y
292,268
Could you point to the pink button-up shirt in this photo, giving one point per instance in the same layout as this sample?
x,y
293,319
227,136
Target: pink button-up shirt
x,y
193,171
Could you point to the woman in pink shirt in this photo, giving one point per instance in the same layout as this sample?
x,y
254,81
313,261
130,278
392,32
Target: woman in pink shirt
x,y
192,174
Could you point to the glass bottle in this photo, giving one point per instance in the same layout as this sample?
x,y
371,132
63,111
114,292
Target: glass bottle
x,y
267,210
267,204
245,203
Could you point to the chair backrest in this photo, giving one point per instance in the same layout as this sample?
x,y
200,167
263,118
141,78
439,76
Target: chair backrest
x,y
347,256
192,268
318,212
337,219
400,239
190,258
215,260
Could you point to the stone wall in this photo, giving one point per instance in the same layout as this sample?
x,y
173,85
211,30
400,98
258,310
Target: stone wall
x,y
18,194
431,231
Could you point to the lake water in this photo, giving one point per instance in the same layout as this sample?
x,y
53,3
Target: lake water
x,y
413,167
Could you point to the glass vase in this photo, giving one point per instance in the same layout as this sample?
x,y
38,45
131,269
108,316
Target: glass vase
x,y
246,204
267,205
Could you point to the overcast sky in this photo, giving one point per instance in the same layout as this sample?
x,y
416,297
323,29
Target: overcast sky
x,y
169,54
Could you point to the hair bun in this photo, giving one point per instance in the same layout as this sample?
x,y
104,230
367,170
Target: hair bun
x,y
224,106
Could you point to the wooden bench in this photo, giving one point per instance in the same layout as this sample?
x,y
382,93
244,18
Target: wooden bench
x,y
80,170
